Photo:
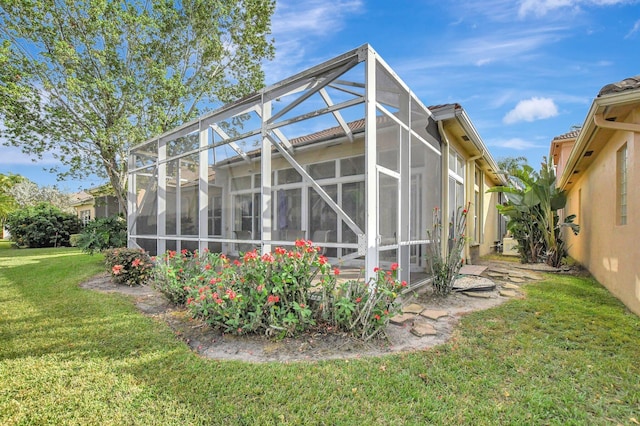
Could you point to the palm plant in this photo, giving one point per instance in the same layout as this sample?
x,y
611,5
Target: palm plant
x,y
532,208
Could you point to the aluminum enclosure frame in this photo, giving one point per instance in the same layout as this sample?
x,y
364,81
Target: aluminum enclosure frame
x,y
223,181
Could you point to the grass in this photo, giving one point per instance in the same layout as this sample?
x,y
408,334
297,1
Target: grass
x,y
567,354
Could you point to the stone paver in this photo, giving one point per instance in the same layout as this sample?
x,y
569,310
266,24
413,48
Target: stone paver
x,y
402,319
495,274
508,293
434,315
413,308
516,280
478,294
422,329
510,286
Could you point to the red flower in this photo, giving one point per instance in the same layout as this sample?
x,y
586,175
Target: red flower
x,y
322,260
184,252
404,283
280,250
376,269
136,262
237,262
300,243
207,267
359,299
273,299
117,269
336,271
394,266
377,317
267,257
250,255
464,211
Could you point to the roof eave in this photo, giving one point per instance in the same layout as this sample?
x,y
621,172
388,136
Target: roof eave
x,y
589,127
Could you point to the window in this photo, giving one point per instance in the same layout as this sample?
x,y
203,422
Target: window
x,y
477,208
85,216
621,185
456,185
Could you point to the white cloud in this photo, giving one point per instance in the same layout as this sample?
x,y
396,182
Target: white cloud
x,y
531,110
515,143
542,7
635,29
297,25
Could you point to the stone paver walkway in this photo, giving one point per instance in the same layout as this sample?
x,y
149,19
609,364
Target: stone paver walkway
x,y
487,281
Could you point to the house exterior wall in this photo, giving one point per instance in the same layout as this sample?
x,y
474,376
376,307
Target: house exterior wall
x,y
563,155
608,250
490,225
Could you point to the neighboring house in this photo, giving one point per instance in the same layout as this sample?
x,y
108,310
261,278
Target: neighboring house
x,y
599,167
91,204
343,154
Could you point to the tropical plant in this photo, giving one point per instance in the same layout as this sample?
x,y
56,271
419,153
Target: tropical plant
x,y
445,267
532,209
43,225
103,233
85,80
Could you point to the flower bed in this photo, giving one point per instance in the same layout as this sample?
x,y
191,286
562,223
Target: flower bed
x,y
282,293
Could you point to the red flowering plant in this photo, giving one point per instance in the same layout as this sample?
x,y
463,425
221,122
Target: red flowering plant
x,y
132,267
364,308
266,293
176,272
281,293
444,269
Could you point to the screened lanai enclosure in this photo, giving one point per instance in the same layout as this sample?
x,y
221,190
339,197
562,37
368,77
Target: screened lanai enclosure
x,y
342,154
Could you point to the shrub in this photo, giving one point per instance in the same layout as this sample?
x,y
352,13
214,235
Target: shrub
x,y
41,226
73,240
132,267
173,272
364,308
104,233
276,293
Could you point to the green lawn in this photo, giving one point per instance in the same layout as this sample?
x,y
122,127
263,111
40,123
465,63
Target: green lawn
x,y
568,354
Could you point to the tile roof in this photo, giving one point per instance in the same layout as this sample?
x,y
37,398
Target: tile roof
x,y
630,83
569,135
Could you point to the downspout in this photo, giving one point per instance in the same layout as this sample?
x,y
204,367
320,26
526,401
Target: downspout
x,y
444,197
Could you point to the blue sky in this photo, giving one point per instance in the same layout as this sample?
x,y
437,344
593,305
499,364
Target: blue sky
x,y
525,71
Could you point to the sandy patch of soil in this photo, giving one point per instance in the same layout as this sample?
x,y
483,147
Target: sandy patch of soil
x,y
316,345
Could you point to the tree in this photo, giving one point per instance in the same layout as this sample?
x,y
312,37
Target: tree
x,y
510,166
85,80
8,202
532,206
27,194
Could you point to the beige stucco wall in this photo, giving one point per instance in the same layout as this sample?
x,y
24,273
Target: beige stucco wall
x,y
87,206
563,155
491,219
611,252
